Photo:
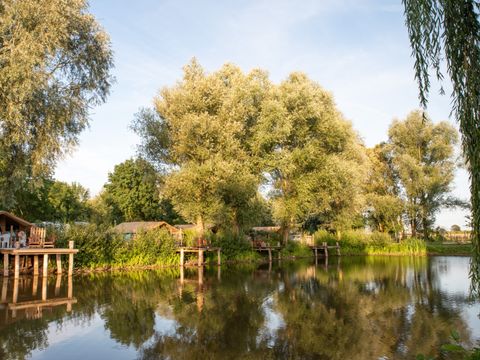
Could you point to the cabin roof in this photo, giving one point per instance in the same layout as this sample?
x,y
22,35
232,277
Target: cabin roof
x,y
266,228
137,226
15,218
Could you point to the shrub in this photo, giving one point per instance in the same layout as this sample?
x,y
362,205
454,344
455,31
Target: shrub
x,y
322,236
234,247
294,248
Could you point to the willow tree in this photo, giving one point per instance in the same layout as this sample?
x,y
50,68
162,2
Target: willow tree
x,y
54,65
423,157
199,133
311,154
450,30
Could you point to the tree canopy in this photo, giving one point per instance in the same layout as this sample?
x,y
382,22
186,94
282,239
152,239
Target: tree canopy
x,y
55,63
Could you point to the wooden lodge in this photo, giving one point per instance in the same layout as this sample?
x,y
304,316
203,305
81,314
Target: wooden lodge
x,y
131,229
10,222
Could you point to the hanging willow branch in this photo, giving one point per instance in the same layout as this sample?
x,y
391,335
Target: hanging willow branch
x,y
450,30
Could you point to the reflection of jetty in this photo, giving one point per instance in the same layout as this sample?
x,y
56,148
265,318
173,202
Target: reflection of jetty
x,y
200,250
33,308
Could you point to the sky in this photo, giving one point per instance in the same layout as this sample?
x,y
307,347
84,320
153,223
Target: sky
x,y
356,49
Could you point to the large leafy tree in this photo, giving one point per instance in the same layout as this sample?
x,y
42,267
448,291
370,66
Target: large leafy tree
x,y
450,30
132,193
423,157
54,65
384,207
199,132
311,155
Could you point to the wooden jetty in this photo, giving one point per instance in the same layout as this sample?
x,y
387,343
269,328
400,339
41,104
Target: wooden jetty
x,y
323,249
200,250
17,253
269,249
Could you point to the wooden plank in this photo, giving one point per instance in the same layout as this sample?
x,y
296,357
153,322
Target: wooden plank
x,y
5,264
40,251
35,265
45,265
200,258
16,264
41,303
59,264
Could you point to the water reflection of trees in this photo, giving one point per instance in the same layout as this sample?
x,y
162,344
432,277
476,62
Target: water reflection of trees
x,y
365,308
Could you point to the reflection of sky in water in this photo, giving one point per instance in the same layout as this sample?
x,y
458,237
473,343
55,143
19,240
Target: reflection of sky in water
x,y
73,341
273,322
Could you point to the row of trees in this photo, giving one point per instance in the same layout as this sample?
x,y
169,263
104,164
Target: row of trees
x,y
236,150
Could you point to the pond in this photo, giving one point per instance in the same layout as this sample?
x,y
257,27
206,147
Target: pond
x,y
350,308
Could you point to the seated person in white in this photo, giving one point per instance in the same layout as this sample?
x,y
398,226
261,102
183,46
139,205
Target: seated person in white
x,y
22,238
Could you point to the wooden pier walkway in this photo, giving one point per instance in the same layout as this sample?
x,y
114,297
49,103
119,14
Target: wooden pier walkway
x,y
270,250
200,250
17,253
324,249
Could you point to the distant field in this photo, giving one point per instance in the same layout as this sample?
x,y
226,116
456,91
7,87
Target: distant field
x,y
449,249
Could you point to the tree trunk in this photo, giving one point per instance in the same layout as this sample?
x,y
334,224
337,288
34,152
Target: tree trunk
x,y
285,232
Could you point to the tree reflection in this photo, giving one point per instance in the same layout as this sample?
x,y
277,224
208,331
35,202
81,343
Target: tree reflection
x,y
362,309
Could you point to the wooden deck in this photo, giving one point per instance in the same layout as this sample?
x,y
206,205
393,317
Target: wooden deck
x,y
324,249
269,249
17,253
200,250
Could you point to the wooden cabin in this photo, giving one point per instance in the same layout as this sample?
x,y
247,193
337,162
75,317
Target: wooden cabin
x,y
130,229
10,222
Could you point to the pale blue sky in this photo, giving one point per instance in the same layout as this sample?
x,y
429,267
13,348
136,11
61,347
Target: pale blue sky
x,y
357,49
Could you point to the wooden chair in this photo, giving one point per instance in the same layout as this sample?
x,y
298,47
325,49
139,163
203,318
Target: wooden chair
x,y
49,242
37,237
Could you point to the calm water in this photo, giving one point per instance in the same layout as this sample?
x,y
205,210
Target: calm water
x,y
355,308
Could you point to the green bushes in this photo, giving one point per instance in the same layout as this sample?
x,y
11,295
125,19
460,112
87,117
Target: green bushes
x,y
99,247
296,249
234,247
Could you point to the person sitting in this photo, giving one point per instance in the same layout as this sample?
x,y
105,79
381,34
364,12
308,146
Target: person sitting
x,y
22,238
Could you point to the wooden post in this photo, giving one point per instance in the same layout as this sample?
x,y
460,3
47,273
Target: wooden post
x,y
326,249
4,290
45,265
182,275
269,255
59,264
17,267
44,288
219,257
200,257
5,264
200,275
35,265
58,283
15,290
182,257
70,287
70,259
338,249
35,285
316,252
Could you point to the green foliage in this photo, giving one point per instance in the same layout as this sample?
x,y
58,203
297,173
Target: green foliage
x,y
423,158
323,235
234,246
132,193
293,248
52,200
155,247
55,64
99,247
450,30
313,158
